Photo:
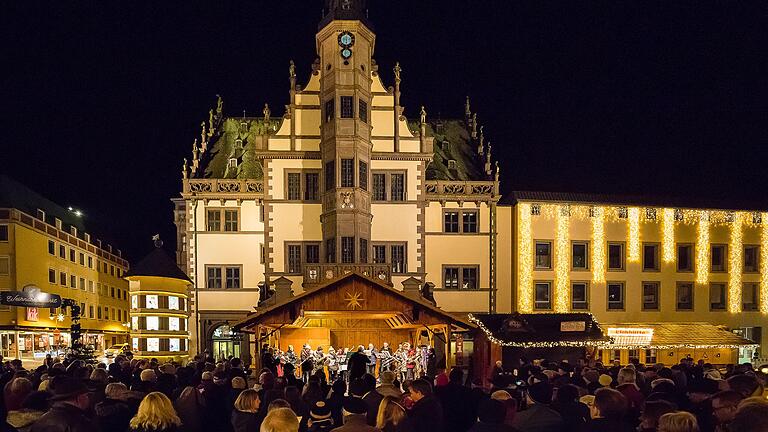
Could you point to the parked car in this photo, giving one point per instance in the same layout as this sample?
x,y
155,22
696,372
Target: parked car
x,y
115,350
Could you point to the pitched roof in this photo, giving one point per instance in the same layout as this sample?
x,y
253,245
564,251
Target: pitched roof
x,y
678,335
16,195
453,142
630,200
158,263
541,329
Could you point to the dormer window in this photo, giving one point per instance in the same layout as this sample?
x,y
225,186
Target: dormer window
x,y
41,215
58,223
73,231
451,164
232,163
238,143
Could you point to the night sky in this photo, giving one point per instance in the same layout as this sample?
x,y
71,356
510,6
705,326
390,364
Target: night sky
x,y
100,101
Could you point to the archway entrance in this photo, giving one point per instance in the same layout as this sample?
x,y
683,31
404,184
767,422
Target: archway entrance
x,y
225,342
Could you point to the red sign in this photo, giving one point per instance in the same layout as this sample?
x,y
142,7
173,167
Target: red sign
x,y
31,314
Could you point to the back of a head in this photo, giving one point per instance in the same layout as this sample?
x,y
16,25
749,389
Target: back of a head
x,y
627,376
422,386
679,421
99,375
387,377
156,412
115,390
280,420
491,411
501,395
247,401
751,416
21,387
610,403
390,412
744,384
456,375
36,401
370,382
277,404
540,392
567,394
148,375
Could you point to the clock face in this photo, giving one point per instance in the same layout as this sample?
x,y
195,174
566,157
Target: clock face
x,y
346,53
346,40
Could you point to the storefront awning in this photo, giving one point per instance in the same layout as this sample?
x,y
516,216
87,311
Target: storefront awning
x,y
673,336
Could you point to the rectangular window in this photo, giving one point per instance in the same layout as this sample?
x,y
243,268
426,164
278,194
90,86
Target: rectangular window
x,y
214,278
363,250
579,296
62,252
718,297
330,111
312,186
363,174
294,186
749,297
543,296
362,110
152,301
312,253
52,276
650,296
379,187
451,222
294,259
346,106
398,259
347,173
684,258
153,344
650,356
398,187
379,254
72,281
72,255
82,284
173,323
751,258
684,296
213,220
5,267
469,278
90,286
3,232
112,292
134,301
90,262
173,303
330,175
51,247
233,277
580,255
82,259
230,220
98,310
90,311
650,257
718,254
543,255
451,278
347,250
615,256
615,296
330,250
469,221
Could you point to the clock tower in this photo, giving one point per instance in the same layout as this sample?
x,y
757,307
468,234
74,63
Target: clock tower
x,y
345,45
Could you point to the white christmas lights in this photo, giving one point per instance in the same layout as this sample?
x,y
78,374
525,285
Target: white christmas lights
x,y
598,244
702,248
735,265
562,259
525,261
633,228
764,263
668,235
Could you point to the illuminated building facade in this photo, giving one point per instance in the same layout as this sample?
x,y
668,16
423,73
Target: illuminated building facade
x,y
45,245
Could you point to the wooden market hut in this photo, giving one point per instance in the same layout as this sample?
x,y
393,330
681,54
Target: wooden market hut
x,y
352,310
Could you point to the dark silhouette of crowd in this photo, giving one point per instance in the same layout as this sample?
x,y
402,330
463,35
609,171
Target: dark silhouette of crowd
x,y
142,395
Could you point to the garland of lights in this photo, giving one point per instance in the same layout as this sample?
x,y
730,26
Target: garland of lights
x,y
598,245
668,235
702,248
735,265
764,263
562,260
633,246
553,344
525,259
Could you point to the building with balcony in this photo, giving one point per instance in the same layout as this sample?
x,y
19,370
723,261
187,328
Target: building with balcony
x,y
47,246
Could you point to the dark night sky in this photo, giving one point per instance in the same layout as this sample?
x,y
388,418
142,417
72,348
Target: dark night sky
x,y
100,101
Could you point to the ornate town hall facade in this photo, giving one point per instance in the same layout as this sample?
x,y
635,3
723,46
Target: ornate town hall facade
x,y
341,181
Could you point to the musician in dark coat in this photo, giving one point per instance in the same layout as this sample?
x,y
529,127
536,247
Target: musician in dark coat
x,y
358,364
268,359
307,363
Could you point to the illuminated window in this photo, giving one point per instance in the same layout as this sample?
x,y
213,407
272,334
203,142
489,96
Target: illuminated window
x,y
650,257
543,296
535,209
684,258
615,256
650,296
152,301
173,344
749,297
579,296
650,213
134,302
615,292
153,344
751,258
684,296
718,298
543,255
135,344
718,256
173,323
173,303
135,323
650,356
580,255
153,323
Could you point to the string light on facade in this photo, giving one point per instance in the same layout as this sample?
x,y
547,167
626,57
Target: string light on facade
x,y
633,242
525,259
735,264
668,235
702,248
562,259
764,263
598,244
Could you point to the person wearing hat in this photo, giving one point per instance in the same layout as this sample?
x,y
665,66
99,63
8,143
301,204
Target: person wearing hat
x,y
114,413
355,411
539,416
70,403
491,414
320,419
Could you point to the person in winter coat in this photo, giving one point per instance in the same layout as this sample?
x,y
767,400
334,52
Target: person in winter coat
x,y
156,414
245,415
426,413
320,419
608,412
574,413
113,413
354,417
33,407
357,364
70,403
491,414
390,414
189,407
456,400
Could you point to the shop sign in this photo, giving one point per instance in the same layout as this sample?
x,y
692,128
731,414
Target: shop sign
x,y
573,326
31,314
31,296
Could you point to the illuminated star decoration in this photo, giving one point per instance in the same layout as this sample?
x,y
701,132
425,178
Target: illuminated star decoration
x,y
354,301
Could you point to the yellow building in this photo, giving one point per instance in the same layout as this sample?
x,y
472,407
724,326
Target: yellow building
x,y
159,303
46,246
666,280
340,181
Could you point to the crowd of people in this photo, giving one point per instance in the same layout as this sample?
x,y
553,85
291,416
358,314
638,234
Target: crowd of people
x,y
144,395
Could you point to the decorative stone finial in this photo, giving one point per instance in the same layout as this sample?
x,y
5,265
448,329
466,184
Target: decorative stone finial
x,y
397,71
219,105
480,144
194,150
184,169
474,125
266,112
202,132
292,70
467,112
498,171
210,122
423,115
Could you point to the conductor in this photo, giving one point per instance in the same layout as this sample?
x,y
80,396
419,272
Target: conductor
x,y
358,363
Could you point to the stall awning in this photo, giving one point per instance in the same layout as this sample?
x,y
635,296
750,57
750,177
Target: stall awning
x,y
541,330
673,336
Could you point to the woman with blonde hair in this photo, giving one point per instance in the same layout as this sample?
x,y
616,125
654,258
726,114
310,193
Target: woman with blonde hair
x,y
245,416
679,421
155,414
391,413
